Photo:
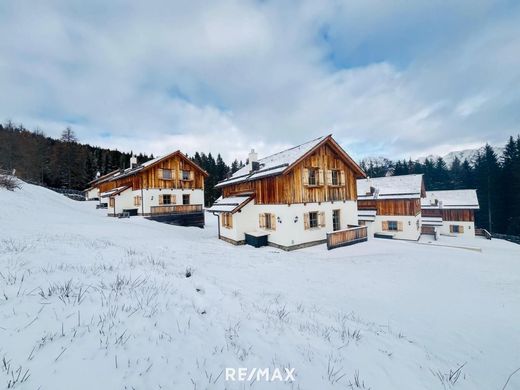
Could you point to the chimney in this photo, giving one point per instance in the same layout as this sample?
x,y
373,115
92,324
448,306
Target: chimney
x,y
133,162
253,161
98,174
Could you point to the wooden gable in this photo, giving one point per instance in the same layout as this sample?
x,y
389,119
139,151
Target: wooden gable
x,y
153,176
291,186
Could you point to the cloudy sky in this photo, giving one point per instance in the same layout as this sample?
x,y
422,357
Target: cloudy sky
x,y
396,78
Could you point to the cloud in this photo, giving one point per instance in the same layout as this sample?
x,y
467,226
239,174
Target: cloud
x,y
395,79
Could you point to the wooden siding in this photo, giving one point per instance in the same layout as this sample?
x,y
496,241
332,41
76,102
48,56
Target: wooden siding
x,y
465,215
349,236
392,206
152,177
290,188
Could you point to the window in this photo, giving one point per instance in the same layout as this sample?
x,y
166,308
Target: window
x,y
336,225
313,179
186,199
167,174
227,220
334,178
267,221
186,175
166,199
137,201
313,219
392,226
456,229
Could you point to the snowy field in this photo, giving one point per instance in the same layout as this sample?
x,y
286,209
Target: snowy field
x,y
90,302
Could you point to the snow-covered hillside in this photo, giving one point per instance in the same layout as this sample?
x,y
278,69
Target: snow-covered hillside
x,y
90,302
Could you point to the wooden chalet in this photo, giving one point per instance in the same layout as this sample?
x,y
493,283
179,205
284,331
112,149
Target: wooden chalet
x,y
291,199
449,212
168,189
390,206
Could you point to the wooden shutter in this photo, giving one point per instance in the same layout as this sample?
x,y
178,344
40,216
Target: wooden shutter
x,y
320,177
385,226
137,200
223,220
112,202
329,177
306,221
192,175
321,219
230,220
451,228
273,222
461,229
173,199
261,221
305,177
399,226
161,200
342,178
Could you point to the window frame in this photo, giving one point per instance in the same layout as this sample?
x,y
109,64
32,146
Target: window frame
x,y
336,220
166,196
185,196
170,171
313,173
315,219
337,174
393,226
185,175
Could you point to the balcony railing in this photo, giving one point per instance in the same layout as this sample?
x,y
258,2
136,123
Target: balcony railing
x,y
176,209
351,235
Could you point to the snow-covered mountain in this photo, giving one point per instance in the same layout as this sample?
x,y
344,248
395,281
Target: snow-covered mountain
x,y
466,154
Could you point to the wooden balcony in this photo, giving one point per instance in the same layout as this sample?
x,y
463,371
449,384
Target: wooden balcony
x,y
350,236
176,209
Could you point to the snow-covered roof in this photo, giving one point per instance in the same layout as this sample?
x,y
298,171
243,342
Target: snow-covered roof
x,y
229,205
114,191
367,215
272,165
390,187
450,199
431,221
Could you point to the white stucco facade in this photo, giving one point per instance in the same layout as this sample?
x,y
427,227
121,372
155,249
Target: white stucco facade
x,y
468,228
290,228
92,193
411,226
126,199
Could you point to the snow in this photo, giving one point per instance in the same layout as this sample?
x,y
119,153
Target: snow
x,y
390,187
113,192
92,302
274,164
229,204
451,199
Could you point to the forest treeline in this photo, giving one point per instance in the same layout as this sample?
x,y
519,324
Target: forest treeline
x,y
67,163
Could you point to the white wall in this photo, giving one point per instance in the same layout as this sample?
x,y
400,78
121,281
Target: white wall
x,y
288,232
125,200
411,226
92,194
469,228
